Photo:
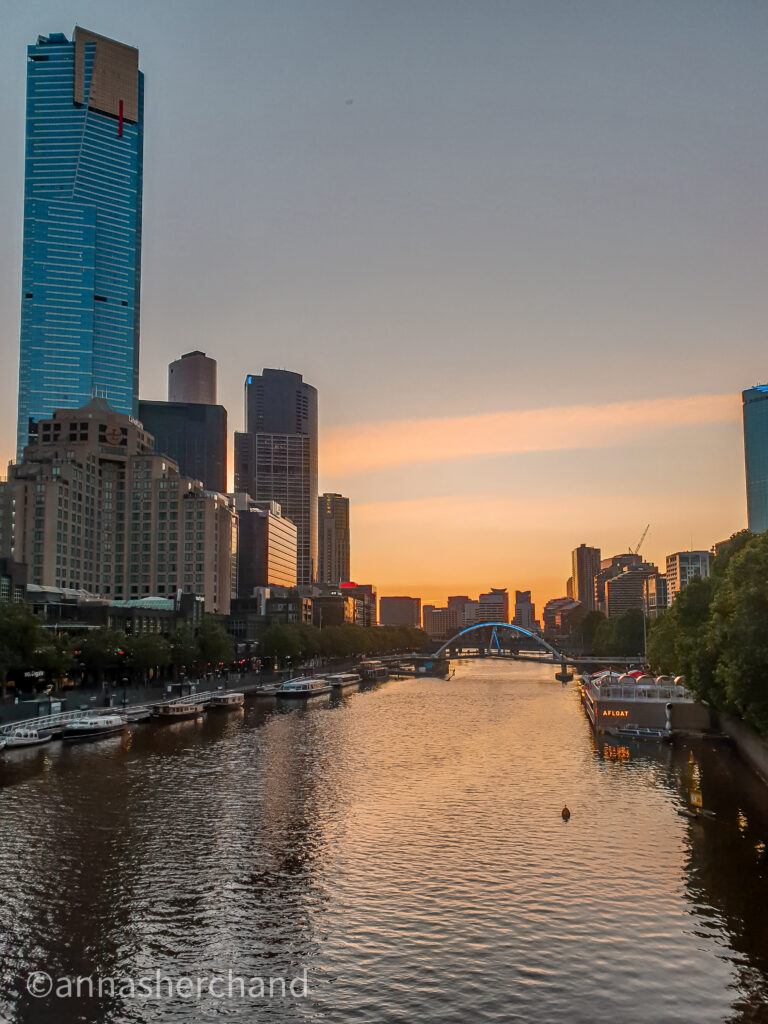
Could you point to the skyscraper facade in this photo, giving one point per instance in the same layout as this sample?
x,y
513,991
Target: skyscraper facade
x,y
192,379
755,409
193,435
586,565
82,227
333,538
276,456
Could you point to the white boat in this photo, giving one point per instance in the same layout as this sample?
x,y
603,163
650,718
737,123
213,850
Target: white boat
x,y
94,727
303,689
177,710
25,736
343,680
226,701
637,705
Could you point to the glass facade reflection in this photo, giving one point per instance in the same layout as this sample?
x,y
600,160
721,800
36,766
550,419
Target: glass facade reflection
x,y
82,227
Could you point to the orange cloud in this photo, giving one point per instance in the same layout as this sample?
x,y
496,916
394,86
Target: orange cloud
x,y
350,450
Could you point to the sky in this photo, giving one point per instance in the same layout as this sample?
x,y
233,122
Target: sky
x,y
519,248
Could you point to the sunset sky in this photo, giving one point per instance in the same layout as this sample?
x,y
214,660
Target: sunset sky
x,y
518,247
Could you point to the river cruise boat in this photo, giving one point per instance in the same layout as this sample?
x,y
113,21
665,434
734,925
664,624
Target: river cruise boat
x,y
373,672
303,689
637,704
95,727
25,736
177,711
341,681
226,702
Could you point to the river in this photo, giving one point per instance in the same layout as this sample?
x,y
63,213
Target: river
x,y
399,855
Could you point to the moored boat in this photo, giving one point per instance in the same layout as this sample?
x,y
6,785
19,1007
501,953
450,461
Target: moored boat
x,y
635,705
25,736
303,689
176,711
226,701
373,671
94,727
343,680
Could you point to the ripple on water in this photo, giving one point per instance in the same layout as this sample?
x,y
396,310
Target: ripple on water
x,y
405,846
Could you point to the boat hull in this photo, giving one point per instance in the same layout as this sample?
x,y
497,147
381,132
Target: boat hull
x,y
91,735
19,744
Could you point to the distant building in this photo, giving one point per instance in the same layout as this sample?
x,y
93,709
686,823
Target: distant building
x,y
367,608
586,565
627,589
525,611
266,546
192,379
13,581
609,568
439,623
333,538
755,413
656,600
96,509
569,588
682,566
493,606
400,611
561,615
194,436
276,456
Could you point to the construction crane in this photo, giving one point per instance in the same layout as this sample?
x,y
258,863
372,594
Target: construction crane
x,y
636,549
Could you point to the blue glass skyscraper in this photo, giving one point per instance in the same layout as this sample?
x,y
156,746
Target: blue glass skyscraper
x,y
82,227
756,456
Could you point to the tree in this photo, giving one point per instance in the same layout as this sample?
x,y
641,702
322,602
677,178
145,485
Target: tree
x,y
738,633
147,652
214,645
100,650
21,634
183,649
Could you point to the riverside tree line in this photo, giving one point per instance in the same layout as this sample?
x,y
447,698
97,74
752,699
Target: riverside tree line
x,y
94,655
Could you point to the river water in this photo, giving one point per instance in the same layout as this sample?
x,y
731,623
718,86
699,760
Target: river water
x,y
398,856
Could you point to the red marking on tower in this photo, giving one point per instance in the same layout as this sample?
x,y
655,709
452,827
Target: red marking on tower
x,y
120,121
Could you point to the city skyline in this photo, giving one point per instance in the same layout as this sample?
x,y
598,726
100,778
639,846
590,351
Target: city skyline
x,y
568,253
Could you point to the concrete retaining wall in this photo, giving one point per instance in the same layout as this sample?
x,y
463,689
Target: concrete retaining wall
x,y
752,747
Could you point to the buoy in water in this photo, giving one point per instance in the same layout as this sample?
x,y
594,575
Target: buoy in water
x,y
565,813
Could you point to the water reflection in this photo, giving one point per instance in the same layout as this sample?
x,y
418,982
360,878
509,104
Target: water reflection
x,y
406,846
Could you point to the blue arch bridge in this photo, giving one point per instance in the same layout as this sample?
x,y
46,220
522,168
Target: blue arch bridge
x,y
504,640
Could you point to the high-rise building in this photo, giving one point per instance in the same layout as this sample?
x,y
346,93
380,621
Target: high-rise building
x,y
628,589
276,456
493,606
192,379
95,508
682,566
266,546
609,568
525,611
755,410
81,267
400,611
333,538
193,435
586,566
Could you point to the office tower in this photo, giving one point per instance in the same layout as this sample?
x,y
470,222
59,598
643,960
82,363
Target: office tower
x,y
525,611
97,509
194,436
609,568
82,227
682,566
586,566
266,546
400,611
276,456
493,606
192,379
755,410
366,602
333,538
628,589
